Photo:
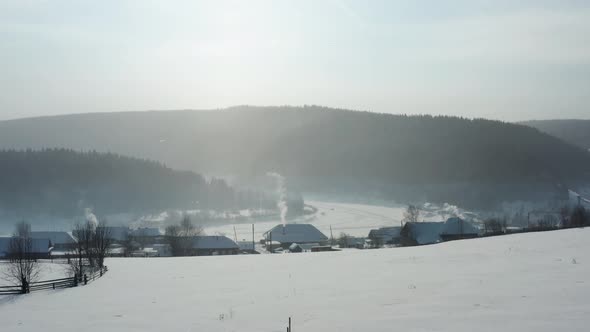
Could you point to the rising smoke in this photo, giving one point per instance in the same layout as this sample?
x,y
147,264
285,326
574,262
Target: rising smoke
x,y
282,191
90,218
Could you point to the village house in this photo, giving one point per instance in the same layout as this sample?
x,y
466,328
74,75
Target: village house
x,y
39,248
247,247
145,232
118,233
60,241
428,232
213,245
286,235
456,229
352,242
303,247
385,236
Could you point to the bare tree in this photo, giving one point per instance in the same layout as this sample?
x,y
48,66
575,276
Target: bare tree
x,y
492,226
92,247
180,237
83,233
579,217
101,242
411,214
23,267
172,235
564,214
343,240
187,228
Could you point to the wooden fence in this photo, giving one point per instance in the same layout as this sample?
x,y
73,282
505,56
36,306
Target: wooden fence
x,y
54,284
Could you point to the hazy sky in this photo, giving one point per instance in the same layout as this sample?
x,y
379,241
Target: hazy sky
x,y
509,60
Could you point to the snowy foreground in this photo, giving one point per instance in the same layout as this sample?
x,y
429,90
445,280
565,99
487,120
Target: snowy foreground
x,y
526,282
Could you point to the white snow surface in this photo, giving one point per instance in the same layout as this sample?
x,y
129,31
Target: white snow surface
x,y
523,282
47,271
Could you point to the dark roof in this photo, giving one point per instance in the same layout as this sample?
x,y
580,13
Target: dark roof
x,y
39,246
213,242
295,233
385,232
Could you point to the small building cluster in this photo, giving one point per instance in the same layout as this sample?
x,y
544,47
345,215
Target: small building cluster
x,y
295,238
420,233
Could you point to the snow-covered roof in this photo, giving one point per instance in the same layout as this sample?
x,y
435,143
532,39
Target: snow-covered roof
x,y
295,233
457,225
55,237
146,231
213,242
38,246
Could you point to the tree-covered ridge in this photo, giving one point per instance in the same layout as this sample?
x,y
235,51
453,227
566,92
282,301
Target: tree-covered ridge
x,y
328,150
64,182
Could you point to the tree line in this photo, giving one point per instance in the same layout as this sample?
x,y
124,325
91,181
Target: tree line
x,y
62,182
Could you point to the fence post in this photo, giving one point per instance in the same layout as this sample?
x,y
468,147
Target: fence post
x,y
85,279
53,285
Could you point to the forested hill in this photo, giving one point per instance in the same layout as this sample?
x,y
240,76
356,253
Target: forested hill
x,y
321,149
575,132
63,182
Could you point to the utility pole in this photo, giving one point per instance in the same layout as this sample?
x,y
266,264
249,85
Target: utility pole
x,y
253,241
528,220
270,235
331,237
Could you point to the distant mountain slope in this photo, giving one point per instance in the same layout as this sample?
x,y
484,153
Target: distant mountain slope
x,y
327,150
575,132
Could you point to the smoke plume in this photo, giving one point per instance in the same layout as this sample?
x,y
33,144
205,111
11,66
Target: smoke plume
x,y
91,218
282,191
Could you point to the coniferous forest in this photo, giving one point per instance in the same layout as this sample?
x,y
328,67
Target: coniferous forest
x,y
63,182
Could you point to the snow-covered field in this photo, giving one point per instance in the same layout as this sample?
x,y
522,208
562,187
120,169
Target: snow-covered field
x,y
47,271
526,282
353,219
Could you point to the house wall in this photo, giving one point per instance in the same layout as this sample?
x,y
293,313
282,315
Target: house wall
x,y
210,252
